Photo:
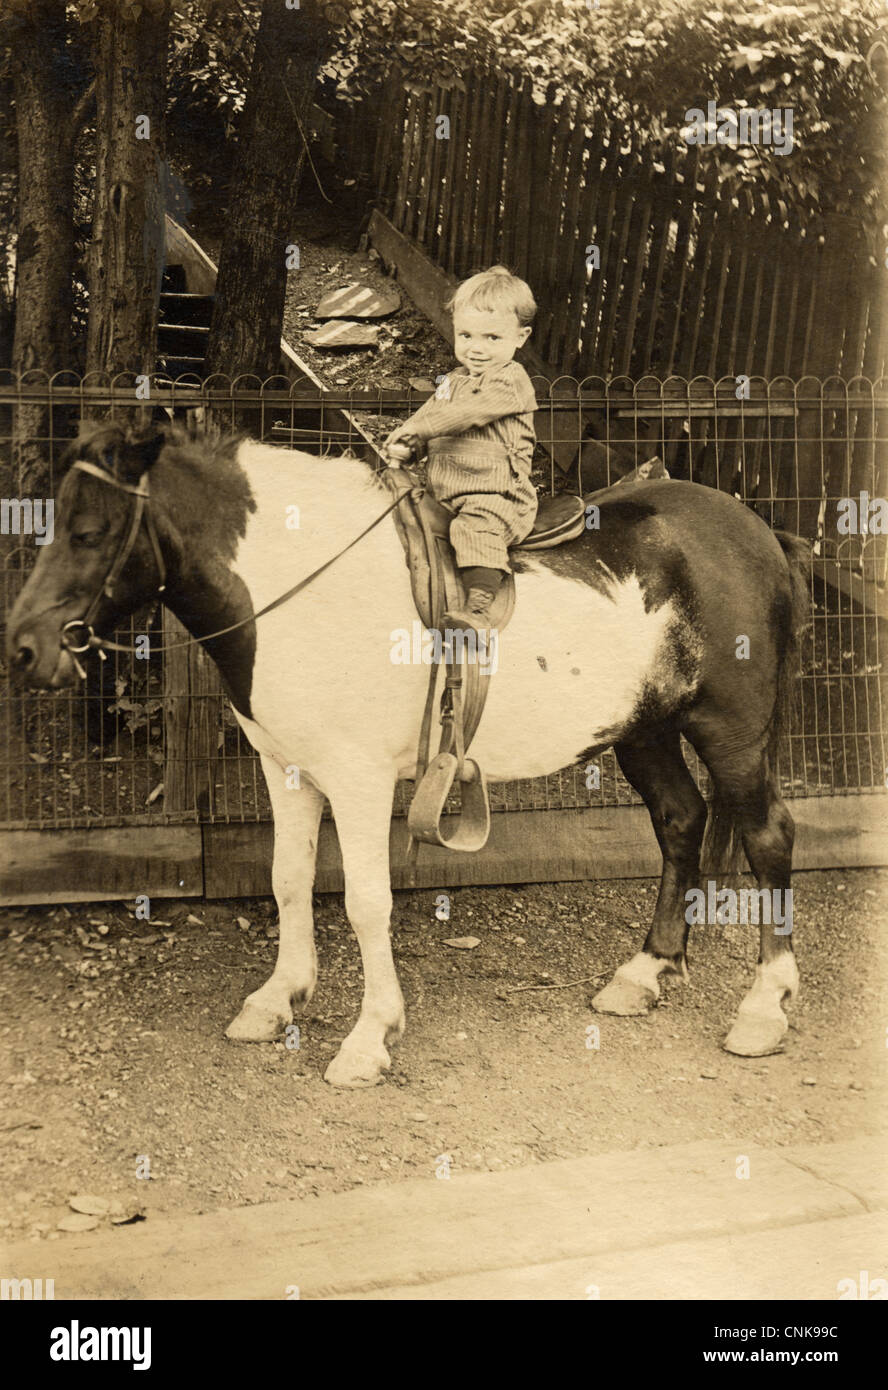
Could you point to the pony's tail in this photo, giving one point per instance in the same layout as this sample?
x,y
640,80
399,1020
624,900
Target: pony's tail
x,y
722,851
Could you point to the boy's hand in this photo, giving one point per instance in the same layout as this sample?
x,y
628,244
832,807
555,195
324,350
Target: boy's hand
x,y
397,453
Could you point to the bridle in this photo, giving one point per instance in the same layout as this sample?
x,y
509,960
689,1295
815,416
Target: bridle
x,y
141,493
142,512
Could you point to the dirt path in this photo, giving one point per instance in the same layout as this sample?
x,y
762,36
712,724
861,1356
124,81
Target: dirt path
x,y
111,1046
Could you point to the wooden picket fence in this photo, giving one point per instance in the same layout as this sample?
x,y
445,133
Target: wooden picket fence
x,y
690,281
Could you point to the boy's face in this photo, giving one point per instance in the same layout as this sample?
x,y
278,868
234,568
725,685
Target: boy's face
x,y
483,339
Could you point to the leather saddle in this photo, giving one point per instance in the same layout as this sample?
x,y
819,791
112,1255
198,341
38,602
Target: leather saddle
x,y
423,525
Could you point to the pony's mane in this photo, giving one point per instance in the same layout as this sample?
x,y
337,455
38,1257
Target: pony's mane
x,y
203,456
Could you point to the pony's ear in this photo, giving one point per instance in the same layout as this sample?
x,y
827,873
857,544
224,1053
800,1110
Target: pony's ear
x,y
147,448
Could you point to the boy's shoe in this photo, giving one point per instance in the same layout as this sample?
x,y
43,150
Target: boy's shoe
x,y
475,614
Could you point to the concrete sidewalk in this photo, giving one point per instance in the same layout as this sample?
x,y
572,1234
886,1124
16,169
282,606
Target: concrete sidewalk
x,y
654,1223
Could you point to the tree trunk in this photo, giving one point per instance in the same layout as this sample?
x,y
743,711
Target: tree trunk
x,y
127,248
45,249
47,87
246,330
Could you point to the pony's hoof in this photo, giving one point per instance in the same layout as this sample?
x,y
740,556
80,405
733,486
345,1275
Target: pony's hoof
x,y
756,1035
623,996
351,1070
256,1025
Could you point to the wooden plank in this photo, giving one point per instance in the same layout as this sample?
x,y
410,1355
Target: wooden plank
x,y
707,207
533,1232
867,597
616,258
726,235
506,250
674,295
428,220
419,152
637,264
522,190
459,135
426,283
736,356
525,846
603,219
402,156
489,169
395,116
548,847
182,249
563,340
552,254
663,200
101,863
423,138
577,332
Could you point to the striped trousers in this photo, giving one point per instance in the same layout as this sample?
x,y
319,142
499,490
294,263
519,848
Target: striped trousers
x,y
494,501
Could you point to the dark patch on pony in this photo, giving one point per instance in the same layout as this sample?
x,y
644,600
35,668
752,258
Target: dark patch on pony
x,y
722,849
199,457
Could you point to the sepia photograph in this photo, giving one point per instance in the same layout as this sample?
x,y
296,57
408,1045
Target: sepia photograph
x,y
443,757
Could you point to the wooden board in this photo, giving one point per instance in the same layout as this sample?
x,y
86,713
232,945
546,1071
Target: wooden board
x,y
234,860
548,846
68,866
479,1231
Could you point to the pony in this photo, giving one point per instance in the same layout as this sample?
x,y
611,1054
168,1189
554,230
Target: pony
x,y
678,615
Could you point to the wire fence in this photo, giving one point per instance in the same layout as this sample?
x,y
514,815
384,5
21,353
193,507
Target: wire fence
x,y
133,746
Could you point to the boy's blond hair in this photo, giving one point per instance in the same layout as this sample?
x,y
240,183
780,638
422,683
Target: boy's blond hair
x,y
494,291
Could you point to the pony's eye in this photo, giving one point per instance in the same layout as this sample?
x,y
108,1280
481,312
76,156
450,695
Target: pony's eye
x,y
87,539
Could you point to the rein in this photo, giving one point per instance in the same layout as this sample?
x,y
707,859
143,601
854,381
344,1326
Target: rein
x,y
141,511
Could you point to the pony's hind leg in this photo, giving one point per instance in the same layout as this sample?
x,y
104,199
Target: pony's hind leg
x,y
658,772
768,831
297,815
747,803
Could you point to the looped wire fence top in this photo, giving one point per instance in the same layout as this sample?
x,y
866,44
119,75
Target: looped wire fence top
x,y
155,742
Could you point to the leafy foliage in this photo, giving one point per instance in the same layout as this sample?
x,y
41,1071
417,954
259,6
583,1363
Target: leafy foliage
x,y
647,65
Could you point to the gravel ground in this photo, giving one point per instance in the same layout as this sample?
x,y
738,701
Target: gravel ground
x,y
112,1047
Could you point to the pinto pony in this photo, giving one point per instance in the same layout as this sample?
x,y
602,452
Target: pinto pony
x,y
628,636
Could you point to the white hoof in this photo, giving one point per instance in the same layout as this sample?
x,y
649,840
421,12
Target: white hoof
x,y
623,997
255,1024
634,988
350,1069
757,1035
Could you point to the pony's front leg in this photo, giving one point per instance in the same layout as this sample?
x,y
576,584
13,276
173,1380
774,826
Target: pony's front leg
x,y
362,809
297,816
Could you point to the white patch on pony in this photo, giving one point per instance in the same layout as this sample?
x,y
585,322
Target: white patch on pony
x,y
774,980
573,666
324,686
644,970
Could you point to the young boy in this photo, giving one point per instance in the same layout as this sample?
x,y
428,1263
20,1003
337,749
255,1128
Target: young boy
x,y
480,436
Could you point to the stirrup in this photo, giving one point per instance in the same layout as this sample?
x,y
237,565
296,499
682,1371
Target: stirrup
x,y
430,797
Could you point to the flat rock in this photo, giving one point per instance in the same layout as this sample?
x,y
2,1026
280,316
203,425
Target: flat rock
x,y
78,1223
344,334
358,301
462,943
89,1205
